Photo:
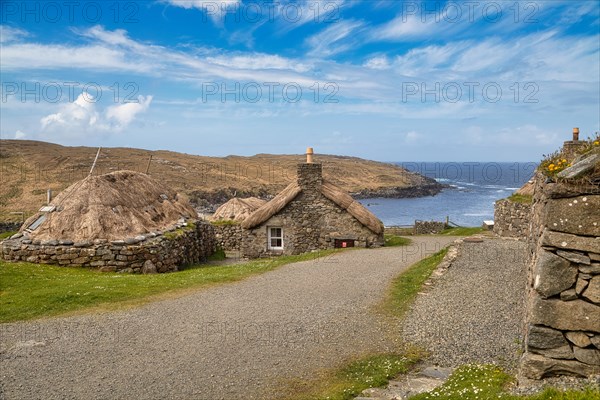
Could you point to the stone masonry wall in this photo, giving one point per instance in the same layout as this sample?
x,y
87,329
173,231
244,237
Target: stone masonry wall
x,y
310,222
154,252
228,237
511,219
428,227
563,315
9,226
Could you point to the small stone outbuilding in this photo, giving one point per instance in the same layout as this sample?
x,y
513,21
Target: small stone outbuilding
x,y
309,214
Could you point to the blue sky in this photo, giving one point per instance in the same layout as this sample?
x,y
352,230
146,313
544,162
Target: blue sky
x,y
385,80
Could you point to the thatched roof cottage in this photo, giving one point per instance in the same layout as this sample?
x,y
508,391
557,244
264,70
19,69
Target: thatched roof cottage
x,y
122,221
309,214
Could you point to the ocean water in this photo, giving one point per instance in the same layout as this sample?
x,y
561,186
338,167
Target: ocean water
x,y
474,187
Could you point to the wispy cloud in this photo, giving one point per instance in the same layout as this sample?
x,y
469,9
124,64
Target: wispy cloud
x,y
334,39
12,34
214,9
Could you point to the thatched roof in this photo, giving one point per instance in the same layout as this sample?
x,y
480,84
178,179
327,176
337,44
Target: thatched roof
x,y
112,206
329,190
271,208
237,209
354,208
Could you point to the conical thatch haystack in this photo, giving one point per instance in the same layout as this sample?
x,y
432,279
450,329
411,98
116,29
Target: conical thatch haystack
x,y
113,206
237,209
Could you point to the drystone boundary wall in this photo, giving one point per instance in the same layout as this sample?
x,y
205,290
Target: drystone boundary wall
x,y
563,316
9,226
428,227
228,237
512,219
183,244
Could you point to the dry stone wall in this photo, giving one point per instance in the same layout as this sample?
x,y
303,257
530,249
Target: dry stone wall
x,y
429,227
9,226
563,315
511,219
154,252
228,237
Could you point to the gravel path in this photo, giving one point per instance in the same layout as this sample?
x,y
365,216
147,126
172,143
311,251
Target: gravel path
x,y
235,341
474,312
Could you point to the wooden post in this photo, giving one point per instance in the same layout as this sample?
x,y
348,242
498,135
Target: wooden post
x,y
95,159
148,166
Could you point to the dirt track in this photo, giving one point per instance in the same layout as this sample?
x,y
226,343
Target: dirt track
x,y
235,341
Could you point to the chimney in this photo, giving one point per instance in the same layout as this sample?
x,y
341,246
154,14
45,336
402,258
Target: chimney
x,y
310,174
49,196
571,147
309,155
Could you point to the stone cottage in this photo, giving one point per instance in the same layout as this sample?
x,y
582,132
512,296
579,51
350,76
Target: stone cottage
x,y
309,214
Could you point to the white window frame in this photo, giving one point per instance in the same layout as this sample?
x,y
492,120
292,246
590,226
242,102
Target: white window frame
x,y
270,237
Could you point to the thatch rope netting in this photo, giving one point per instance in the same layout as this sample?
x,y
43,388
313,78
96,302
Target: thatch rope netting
x,y
112,206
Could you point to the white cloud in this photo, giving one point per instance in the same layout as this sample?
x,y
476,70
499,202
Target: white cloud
x,y
121,115
83,117
215,9
19,134
378,63
11,34
334,39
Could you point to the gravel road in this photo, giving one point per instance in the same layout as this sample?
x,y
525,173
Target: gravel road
x,y
244,340
474,312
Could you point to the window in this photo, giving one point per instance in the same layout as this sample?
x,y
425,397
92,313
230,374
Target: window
x,y
37,223
275,238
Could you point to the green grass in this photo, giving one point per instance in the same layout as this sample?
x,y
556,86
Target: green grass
x,y
521,198
405,287
395,240
470,382
218,255
347,382
5,235
35,290
462,231
222,222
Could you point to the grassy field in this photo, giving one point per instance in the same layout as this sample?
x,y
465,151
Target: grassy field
x,y
463,231
395,240
30,291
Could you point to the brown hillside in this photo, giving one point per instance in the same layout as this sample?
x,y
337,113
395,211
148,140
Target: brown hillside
x,y
29,168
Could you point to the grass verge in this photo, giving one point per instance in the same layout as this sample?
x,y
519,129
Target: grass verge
x,y
521,198
405,287
395,240
470,382
462,231
30,291
347,382
5,235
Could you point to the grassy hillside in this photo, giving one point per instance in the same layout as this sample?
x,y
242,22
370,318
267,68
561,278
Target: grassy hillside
x,y
29,168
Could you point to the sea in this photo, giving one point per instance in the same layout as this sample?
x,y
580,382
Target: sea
x,y
473,189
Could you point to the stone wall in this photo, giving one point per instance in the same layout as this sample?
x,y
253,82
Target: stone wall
x,y
511,219
9,226
310,222
563,315
228,237
154,252
428,227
